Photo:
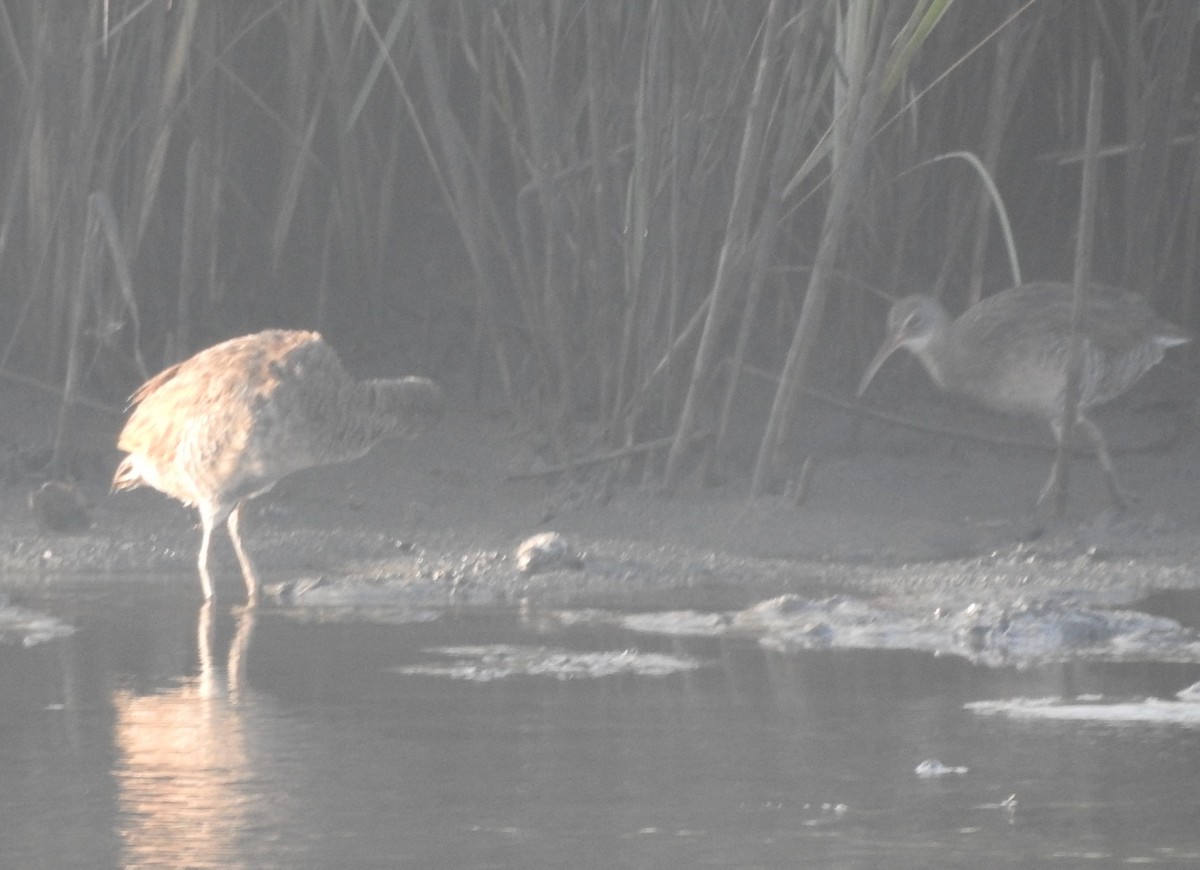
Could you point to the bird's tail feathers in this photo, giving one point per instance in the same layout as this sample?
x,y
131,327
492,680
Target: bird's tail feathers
x,y
126,476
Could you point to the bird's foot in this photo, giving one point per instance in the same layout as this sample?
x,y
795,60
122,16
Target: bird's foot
x,y
1122,503
1052,488
1121,499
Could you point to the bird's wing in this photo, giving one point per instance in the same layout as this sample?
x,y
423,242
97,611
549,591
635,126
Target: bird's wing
x,y
1114,322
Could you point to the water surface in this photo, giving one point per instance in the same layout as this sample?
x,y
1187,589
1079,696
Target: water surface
x,y
164,734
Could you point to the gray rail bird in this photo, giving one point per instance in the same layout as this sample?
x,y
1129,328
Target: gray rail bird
x,y
1009,352
225,425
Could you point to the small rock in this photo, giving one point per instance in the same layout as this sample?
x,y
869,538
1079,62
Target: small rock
x,y
59,507
931,768
547,551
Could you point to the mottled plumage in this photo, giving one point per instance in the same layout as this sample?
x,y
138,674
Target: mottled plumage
x,y
1009,352
226,424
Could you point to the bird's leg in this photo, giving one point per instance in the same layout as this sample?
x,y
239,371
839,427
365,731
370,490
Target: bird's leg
x,y
206,523
1052,483
1061,457
1120,498
248,572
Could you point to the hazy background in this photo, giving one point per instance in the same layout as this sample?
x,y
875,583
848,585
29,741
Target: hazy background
x,y
602,215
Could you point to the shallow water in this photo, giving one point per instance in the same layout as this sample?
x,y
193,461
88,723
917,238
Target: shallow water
x,y
165,734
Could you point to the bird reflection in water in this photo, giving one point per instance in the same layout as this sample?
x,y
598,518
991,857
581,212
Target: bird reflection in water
x,y
183,758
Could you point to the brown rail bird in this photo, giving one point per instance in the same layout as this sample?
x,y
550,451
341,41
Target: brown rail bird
x,y
225,425
1010,351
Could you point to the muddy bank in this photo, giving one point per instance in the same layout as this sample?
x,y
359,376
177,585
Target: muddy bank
x,y
893,513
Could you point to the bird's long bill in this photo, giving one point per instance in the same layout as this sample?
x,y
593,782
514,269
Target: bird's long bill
x,y
890,345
